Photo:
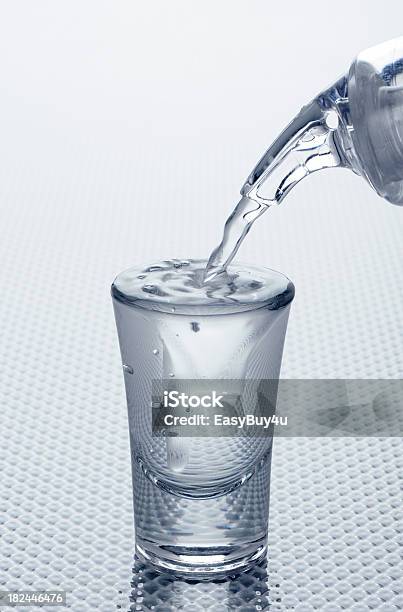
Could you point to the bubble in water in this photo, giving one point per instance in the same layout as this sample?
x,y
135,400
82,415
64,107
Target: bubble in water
x,y
154,268
179,263
141,276
128,368
172,375
154,290
155,351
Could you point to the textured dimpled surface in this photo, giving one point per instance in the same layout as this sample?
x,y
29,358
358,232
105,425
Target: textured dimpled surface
x,y
336,524
336,530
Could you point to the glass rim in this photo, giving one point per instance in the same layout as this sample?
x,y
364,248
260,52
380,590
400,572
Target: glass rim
x,y
174,306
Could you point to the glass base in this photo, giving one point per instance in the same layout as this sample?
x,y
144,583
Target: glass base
x,y
202,563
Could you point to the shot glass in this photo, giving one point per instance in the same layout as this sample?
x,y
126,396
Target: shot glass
x,y
200,491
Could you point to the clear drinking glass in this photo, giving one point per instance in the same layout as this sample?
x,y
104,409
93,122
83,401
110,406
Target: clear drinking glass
x,y
201,503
